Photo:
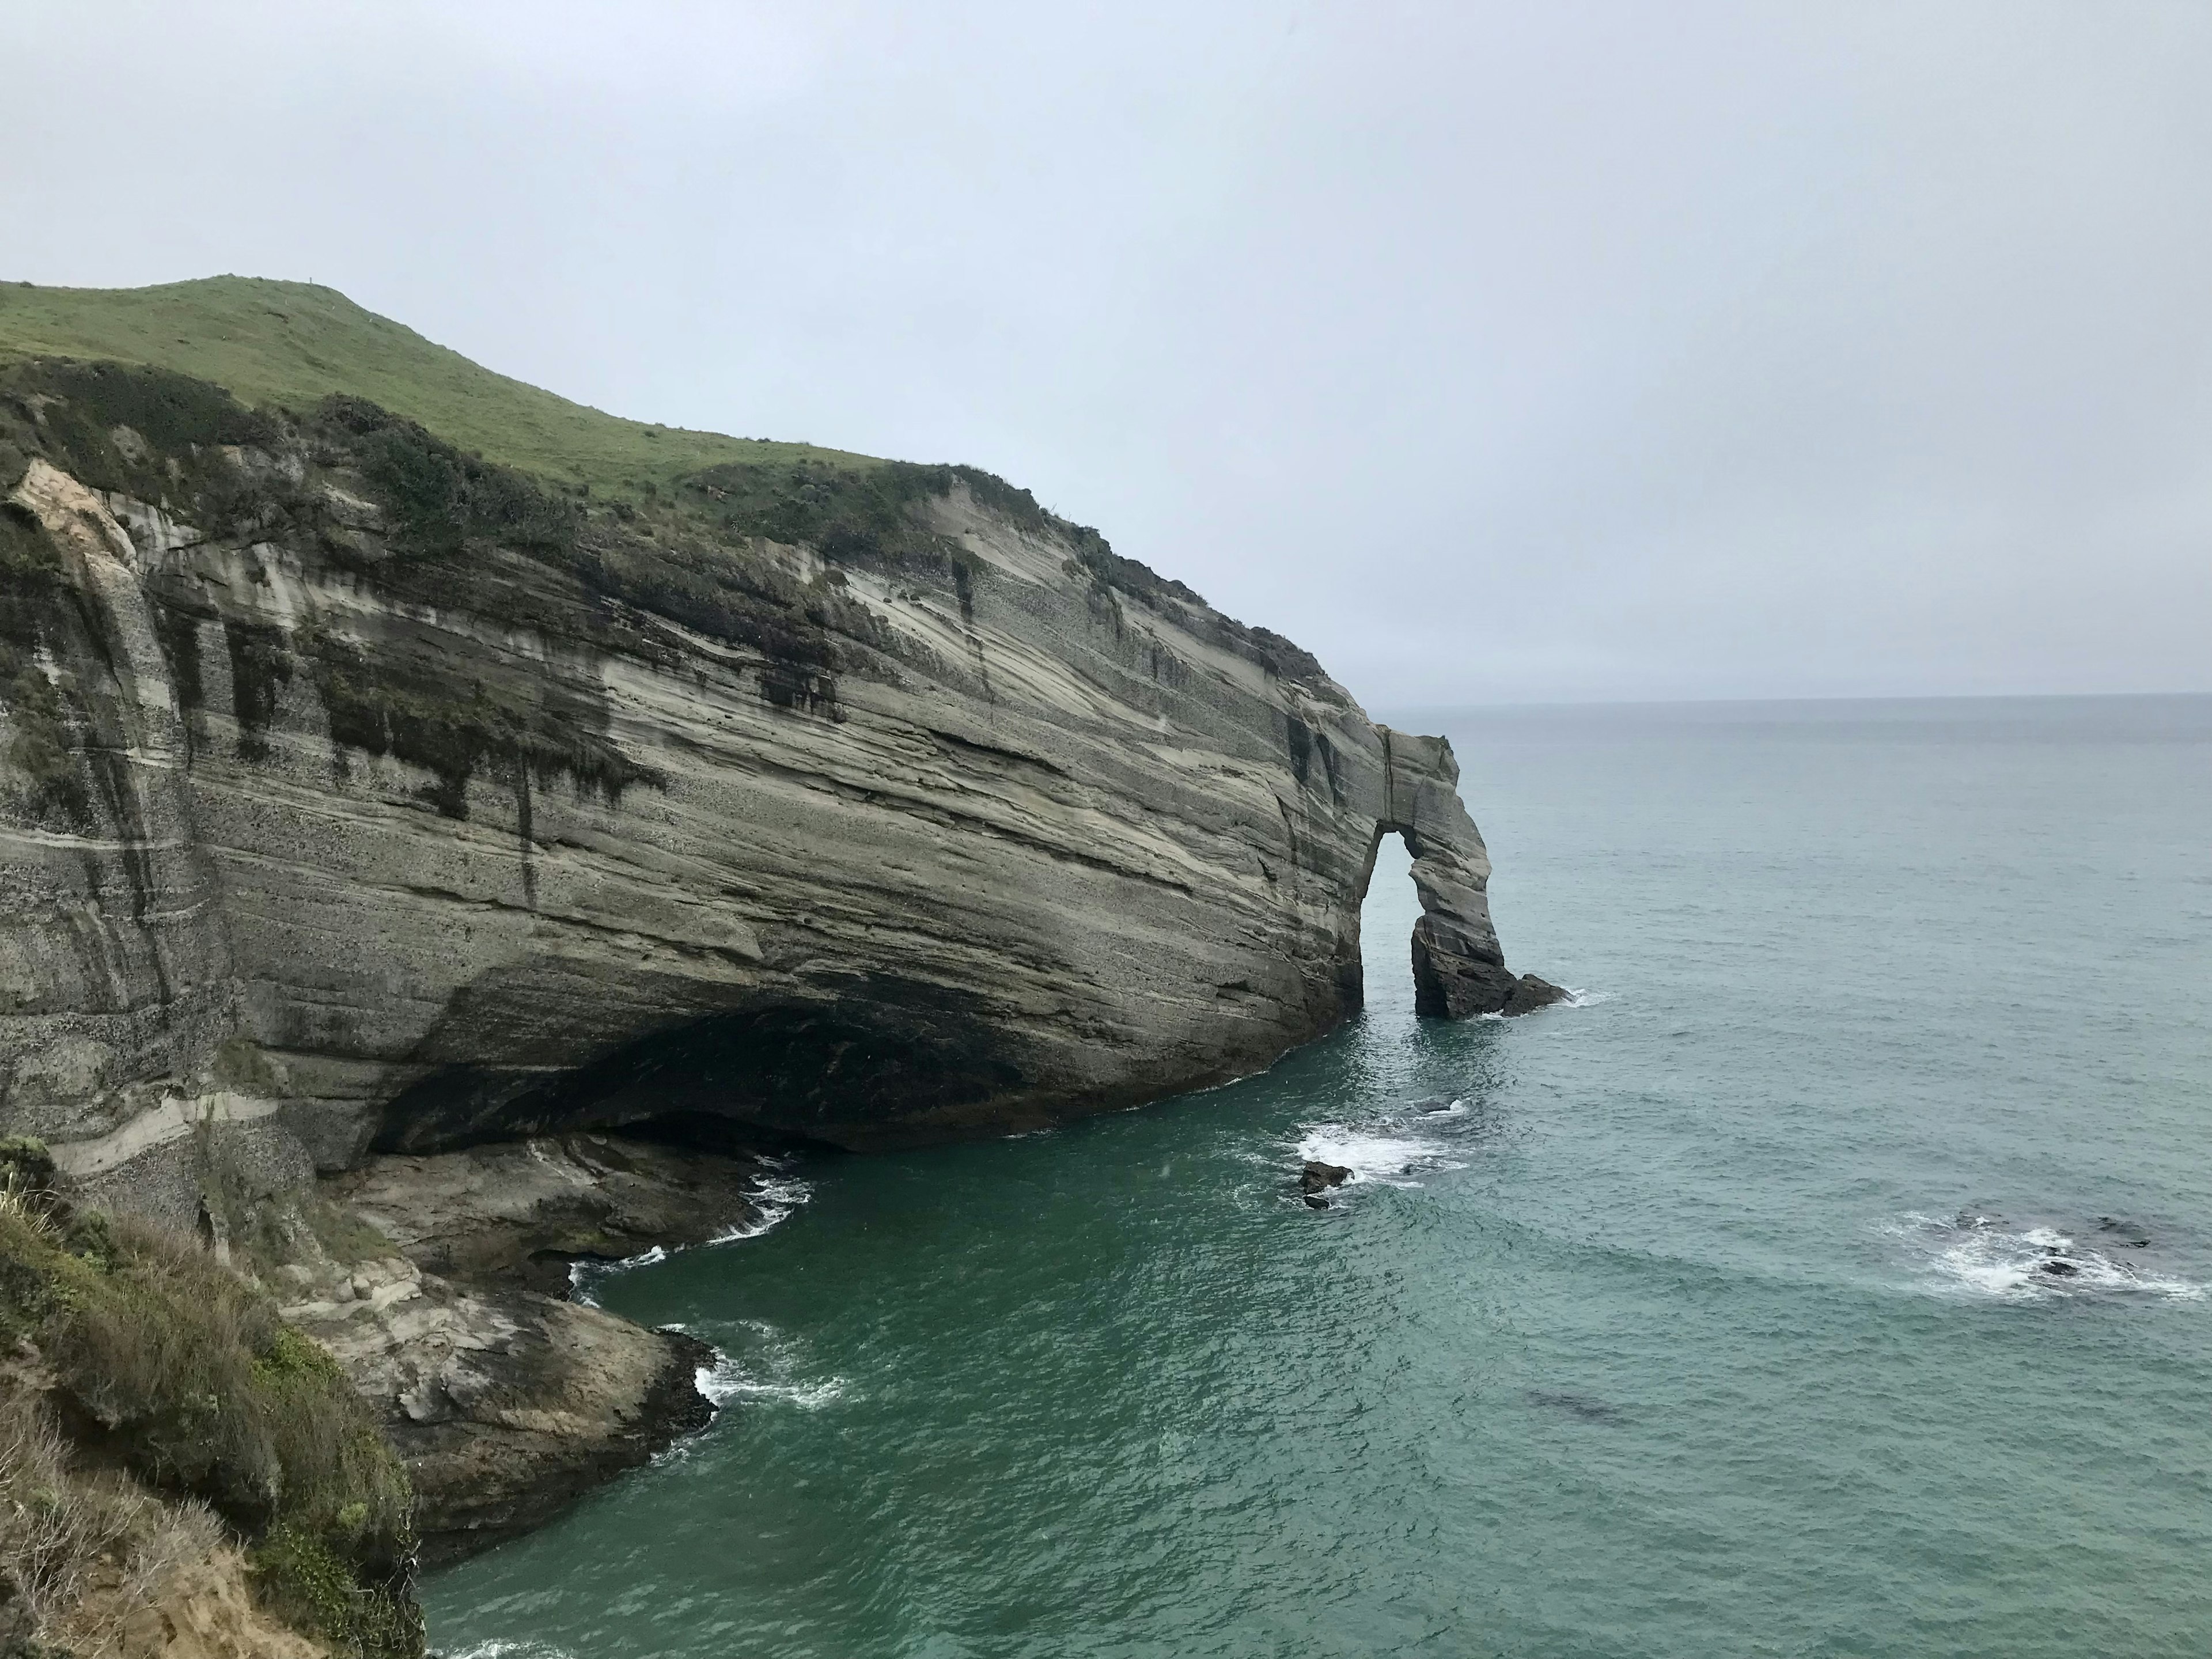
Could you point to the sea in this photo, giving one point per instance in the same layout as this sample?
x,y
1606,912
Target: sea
x,y
1832,1276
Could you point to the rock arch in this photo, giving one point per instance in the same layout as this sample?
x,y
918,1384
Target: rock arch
x,y
1459,969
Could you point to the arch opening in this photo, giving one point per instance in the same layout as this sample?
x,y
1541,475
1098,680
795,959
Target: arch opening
x,y
1458,970
1390,909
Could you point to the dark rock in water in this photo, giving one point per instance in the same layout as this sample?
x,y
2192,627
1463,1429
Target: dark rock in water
x,y
2134,1237
1317,1176
1434,1106
1529,994
2058,1269
1315,1203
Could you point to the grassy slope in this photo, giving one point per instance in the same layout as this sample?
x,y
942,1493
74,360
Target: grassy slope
x,y
294,344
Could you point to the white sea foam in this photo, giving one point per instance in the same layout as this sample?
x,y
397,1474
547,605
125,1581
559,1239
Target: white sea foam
x,y
774,1197
767,1372
1385,1158
586,1276
499,1649
1576,998
1980,1256
726,1380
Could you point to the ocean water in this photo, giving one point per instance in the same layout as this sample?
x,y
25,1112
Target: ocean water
x,y
1835,1277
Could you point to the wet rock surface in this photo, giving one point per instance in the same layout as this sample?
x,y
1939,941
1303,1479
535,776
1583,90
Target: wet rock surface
x,y
517,1215
1529,994
508,1400
507,1405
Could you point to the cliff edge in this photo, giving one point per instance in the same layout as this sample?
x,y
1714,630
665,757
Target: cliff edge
x,y
366,794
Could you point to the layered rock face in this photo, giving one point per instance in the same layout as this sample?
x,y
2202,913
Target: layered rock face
x,y
406,835
357,797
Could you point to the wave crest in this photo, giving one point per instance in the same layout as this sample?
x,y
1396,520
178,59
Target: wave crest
x,y
1977,1255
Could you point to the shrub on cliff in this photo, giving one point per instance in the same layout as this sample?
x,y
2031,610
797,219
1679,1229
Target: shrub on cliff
x,y
167,1363
62,1524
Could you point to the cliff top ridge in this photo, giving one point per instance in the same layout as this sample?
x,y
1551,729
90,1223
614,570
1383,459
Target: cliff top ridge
x,y
296,344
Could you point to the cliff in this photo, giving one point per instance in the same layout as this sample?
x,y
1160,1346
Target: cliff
x,y
373,790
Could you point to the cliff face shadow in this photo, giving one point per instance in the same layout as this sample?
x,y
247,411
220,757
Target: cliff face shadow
x,y
780,1075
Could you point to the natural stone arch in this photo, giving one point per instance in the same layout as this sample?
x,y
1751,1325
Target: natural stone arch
x,y
1458,969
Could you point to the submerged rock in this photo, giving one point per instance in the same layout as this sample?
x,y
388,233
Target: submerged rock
x,y
1578,1405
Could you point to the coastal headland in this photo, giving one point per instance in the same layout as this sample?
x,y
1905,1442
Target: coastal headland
x,y
447,833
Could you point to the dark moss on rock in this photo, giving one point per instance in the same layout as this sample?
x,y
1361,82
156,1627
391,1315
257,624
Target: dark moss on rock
x,y
491,717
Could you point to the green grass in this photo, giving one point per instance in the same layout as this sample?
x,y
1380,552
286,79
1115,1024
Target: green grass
x,y
294,344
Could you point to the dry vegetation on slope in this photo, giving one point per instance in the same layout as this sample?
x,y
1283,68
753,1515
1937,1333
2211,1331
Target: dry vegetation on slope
x,y
157,1418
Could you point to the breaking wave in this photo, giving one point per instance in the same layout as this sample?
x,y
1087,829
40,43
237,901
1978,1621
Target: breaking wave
x,y
1387,1154
1576,998
727,1380
1979,1255
768,1369
774,1197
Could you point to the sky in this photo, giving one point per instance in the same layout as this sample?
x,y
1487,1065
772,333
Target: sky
x,y
1549,351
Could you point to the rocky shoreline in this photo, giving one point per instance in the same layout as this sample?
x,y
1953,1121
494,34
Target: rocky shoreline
x,y
507,1398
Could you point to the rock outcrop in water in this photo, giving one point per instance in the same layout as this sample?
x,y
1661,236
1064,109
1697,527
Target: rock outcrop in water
x,y
361,800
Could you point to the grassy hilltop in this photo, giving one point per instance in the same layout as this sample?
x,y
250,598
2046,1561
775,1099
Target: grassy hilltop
x,y
294,344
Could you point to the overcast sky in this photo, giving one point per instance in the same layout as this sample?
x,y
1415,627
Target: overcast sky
x,y
1497,352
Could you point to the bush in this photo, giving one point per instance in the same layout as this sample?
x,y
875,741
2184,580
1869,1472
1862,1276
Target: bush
x,y
58,1521
298,1578
51,1529
206,1390
179,1370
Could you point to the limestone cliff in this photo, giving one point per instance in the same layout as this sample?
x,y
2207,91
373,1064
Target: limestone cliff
x,y
360,796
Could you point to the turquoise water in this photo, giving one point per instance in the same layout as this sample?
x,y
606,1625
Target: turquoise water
x,y
1706,1318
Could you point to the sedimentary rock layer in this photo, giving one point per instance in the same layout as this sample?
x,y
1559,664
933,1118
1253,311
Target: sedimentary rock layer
x,y
360,802
345,831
